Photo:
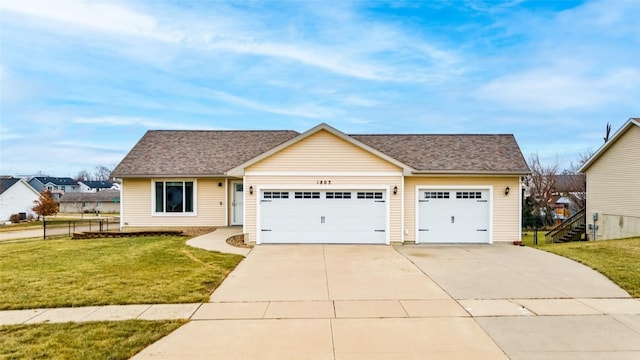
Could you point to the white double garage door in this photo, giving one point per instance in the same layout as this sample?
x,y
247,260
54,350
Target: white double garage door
x,y
362,216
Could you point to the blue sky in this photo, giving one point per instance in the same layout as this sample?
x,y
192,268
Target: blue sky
x,y
83,80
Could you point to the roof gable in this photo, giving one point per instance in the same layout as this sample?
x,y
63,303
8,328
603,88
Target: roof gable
x,y
623,130
7,183
238,170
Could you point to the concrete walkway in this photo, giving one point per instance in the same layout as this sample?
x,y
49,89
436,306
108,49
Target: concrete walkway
x,y
217,241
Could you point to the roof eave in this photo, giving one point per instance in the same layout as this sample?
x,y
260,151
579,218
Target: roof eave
x,y
471,172
150,176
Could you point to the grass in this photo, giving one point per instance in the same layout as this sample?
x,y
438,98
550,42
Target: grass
x,y
70,273
619,260
93,340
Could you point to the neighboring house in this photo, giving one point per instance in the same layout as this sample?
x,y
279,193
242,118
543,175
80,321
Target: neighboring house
x,y
568,196
16,197
95,186
613,185
105,201
57,185
324,186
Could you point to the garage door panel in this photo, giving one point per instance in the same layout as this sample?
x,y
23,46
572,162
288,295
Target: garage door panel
x,y
324,217
453,216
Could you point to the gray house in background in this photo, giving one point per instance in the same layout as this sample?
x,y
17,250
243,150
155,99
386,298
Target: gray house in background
x,y
57,185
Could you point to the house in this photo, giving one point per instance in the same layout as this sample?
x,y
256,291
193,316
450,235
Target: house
x,y
95,186
16,197
324,186
105,201
568,198
57,185
613,185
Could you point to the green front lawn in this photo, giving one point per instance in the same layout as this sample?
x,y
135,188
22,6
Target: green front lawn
x,y
144,270
619,260
93,340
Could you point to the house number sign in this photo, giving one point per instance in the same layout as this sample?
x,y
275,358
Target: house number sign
x,y
323,182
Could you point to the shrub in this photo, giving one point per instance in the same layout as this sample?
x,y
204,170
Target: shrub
x,y
14,218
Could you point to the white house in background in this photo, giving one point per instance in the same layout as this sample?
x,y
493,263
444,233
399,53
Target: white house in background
x,y
57,185
613,185
16,197
95,186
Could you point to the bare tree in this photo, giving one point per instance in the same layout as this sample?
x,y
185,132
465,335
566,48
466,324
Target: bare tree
x,y
83,175
102,172
606,136
542,184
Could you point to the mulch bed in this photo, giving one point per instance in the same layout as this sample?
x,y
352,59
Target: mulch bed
x,y
238,241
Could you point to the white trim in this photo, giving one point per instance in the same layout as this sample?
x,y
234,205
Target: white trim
x,y
402,225
121,206
453,187
520,200
174,214
226,202
323,173
234,221
244,204
386,188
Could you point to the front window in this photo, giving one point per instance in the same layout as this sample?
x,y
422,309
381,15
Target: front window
x,y
174,196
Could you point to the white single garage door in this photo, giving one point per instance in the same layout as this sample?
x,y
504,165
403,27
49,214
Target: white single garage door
x,y
323,216
453,216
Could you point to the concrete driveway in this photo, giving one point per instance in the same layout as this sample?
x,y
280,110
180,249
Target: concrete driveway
x,y
410,302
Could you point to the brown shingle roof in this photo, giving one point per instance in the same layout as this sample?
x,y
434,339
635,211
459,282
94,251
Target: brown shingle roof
x,y
212,153
452,153
196,153
105,196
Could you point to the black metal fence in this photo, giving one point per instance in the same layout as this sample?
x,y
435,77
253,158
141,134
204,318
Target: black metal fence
x,y
69,227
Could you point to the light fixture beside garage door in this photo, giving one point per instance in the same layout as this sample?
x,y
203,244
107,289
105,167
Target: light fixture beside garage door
x,y
395,190
506,190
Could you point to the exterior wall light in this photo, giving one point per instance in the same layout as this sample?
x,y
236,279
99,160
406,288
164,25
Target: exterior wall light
x,y
251,189
395,190
506,190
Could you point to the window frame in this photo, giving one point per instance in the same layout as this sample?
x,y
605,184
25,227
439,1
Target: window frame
x,y
154,212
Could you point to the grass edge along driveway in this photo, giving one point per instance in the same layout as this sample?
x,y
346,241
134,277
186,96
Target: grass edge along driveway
x,y
619,260
91,340
136,270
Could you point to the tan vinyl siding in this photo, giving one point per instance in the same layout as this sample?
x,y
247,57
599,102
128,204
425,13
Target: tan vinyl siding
x,y
322,151
613,188
136,197
506,209
337,183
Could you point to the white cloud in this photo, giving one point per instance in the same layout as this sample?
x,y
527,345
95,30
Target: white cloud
x,y
308,110
102,16
146,123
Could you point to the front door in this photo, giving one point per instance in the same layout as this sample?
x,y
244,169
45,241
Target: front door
x,y
237,203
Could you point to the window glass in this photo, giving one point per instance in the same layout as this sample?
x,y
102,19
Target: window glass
x,y
159,197
188,199
174,196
